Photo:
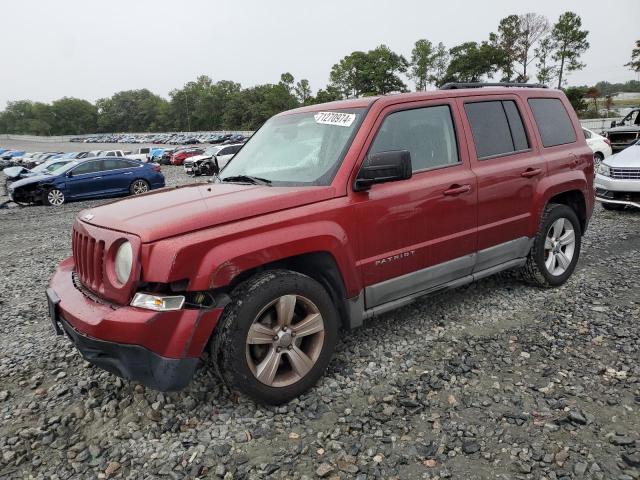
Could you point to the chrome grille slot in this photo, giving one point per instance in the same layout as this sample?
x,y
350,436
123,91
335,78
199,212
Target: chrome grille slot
x,y
625,173
88,254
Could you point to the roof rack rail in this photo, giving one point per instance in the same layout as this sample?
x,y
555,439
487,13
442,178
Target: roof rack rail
x,y
456,85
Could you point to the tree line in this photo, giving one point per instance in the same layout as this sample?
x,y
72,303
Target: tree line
x,y
521,45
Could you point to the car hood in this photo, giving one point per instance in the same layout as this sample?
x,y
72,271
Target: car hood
x,y
629,157
14,172
30,180
197,158
170,212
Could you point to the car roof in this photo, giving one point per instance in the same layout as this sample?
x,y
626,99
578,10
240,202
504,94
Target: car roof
x,y
364,102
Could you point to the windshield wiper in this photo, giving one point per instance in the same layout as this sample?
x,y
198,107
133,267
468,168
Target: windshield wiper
x,y
247,179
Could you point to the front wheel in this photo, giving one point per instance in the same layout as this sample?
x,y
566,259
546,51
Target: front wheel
x,y
556,247
138,187
54,197
276,337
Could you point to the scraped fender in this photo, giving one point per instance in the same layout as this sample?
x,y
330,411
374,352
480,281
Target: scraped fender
x,y
220,265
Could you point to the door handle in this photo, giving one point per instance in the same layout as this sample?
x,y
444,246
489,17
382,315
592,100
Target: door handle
x,y
531,172
457,189
97,178
128,173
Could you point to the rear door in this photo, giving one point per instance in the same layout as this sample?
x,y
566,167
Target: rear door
x,y
419,233
118,175
508,166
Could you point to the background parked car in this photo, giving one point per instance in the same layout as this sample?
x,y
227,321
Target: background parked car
x,y
180,156
91,178
212,160
618,179
601,146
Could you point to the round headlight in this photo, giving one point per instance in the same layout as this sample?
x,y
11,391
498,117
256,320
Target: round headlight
x,y
124,262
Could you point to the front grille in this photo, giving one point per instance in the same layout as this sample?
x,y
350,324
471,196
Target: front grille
x,y
625,173
88,255
188,163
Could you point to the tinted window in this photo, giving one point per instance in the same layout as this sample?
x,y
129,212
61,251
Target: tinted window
x,y
115,164
87,167
496,127
235,149
119,153
515,123
553,121
111,154
427,133
224,151
144,150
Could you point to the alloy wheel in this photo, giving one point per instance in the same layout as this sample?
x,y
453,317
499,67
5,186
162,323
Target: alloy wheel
x,y
140,186
285,340
559,246
55,197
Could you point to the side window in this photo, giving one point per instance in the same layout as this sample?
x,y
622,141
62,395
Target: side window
x,y
553,121
86,167
118,153
115,164
427,133
111,154
496,127
587,133
235,149
144,150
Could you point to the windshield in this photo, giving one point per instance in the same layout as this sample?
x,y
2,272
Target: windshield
x,y
297,149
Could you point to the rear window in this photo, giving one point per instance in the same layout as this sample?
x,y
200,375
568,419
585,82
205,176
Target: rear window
x,y
497,128
553,121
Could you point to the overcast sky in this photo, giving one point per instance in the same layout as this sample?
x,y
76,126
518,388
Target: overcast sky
x,y
88,49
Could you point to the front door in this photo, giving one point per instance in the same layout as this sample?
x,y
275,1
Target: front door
x,y
419,233
86,179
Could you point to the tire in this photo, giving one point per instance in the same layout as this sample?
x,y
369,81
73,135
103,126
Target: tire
x,y
616,207
258,306
139,187
551,262
53,197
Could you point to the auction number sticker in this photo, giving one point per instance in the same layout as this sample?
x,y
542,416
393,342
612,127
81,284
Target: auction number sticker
x,y
335,118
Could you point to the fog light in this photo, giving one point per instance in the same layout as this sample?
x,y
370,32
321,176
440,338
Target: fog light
x,y
160,303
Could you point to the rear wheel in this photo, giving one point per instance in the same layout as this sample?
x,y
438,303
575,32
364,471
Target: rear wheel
x,y
54,197
556,247
276,337
139,186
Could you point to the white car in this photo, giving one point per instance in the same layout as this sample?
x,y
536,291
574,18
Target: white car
x,y
600,146
617,180
201,164
140,154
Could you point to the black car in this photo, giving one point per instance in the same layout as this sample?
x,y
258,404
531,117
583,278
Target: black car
x,y
624,132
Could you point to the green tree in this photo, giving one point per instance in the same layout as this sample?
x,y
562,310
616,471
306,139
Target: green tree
x,y
547,71
331,94
250,108
287,80
593,93
440,65
131,111
576,98
472,62
73,116
569,43
634,64
422,63
507,45
302,91
375,72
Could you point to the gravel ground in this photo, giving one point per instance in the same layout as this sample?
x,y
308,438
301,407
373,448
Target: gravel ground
x,y
494,380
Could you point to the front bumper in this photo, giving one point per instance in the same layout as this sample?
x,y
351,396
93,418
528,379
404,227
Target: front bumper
x,y
158,349
616,191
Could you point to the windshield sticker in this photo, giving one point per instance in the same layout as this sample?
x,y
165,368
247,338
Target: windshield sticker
x,y
335,118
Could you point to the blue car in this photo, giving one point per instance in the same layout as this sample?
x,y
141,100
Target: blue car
x,y
12,153
90,178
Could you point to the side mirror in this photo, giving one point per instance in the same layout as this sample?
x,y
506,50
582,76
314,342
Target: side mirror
x,y
383,167
69,174
613,124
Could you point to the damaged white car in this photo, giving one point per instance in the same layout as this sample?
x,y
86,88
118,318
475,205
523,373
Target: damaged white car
x,y
618,179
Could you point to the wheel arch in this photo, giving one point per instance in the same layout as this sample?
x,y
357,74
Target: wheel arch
x,y
575,200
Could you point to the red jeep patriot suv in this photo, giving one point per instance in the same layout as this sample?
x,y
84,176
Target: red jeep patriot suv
x,y
331,214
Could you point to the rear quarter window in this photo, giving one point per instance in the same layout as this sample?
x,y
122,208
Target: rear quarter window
x,y
553,121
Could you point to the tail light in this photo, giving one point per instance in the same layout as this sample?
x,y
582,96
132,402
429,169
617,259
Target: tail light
x,y
156,167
